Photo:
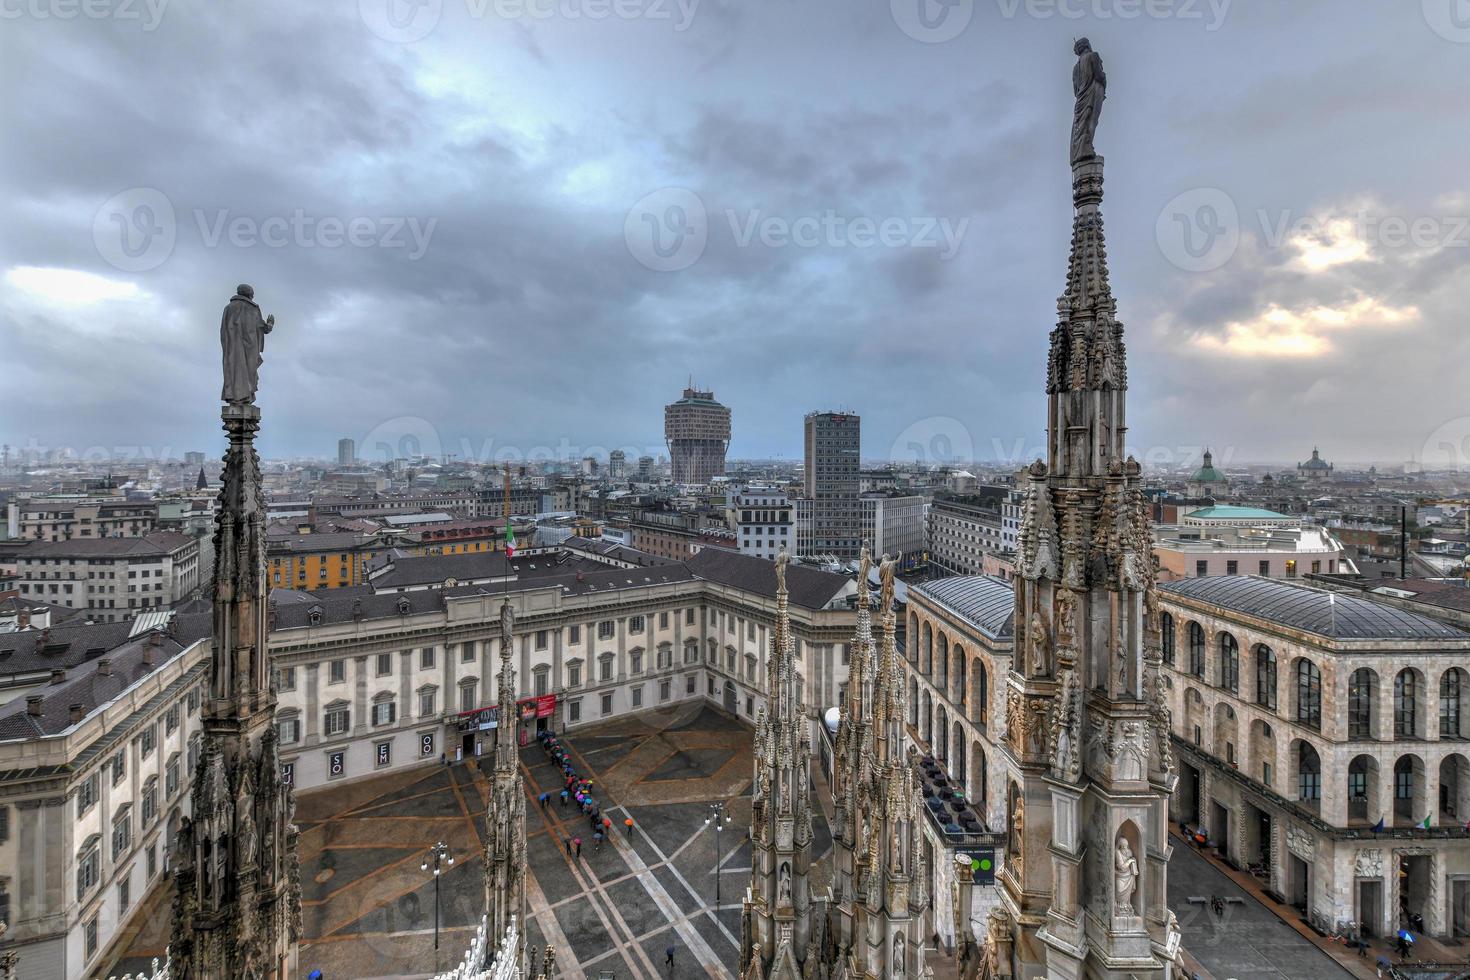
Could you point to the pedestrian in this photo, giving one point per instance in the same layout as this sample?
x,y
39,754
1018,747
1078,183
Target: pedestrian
x,y
578,842
669,956
597,841
568,842
443,759
563,797
544,798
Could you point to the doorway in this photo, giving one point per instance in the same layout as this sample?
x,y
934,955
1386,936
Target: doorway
x,y
1414,871
1298,882
468,745
730,697
1369,911
1220,827
1189,794
1459,908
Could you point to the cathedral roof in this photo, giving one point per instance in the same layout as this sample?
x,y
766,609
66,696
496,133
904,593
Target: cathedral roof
x,y
986,601
1311,609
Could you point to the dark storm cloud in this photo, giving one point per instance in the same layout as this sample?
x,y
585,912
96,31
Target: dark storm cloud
x,y
509,151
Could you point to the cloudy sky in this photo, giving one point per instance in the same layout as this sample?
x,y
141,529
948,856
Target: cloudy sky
x,y
494,227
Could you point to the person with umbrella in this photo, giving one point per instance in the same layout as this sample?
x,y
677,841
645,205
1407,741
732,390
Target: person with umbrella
x,y
1405,943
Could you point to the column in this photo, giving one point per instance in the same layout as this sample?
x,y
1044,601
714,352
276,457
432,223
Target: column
x,y
359,695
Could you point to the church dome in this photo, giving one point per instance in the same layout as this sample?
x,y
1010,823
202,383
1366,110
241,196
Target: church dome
x,y
1207,473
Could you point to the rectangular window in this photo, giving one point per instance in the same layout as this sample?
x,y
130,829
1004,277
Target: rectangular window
x,y
574,634
467,652
124,894
287,682
384,712
1265,566
171,778
606,705
122,833
336,672
467,697
171,720
638,697
635,624
663,690
149,740
1202,568
605,669
574,675
1291,568
689,684
89,936
426,703
574,711
119,767
1232,567
663,620
605,630
336,721
689,617
385,664
540,639
426,658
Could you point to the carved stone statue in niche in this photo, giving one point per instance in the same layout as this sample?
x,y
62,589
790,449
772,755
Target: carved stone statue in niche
x,y
1125,877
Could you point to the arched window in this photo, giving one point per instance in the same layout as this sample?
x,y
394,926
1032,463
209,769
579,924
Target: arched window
x,y
1308,773
926,660
1229,663
911,640
1308,694
1451,689
1405,704
982,691
959,676
1197,650
941,735
914,703
941,659
1360,703
1265,676
1166,637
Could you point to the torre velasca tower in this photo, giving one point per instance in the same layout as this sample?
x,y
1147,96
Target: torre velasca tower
x,y
697,429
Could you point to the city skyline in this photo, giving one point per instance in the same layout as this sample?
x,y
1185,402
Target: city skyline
x,y
502,226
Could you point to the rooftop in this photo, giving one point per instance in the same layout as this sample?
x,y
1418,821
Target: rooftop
x,y
1235,512
1313,610
986,601
158,544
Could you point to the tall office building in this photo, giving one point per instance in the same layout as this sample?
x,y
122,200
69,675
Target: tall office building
x,y
346,452
698,432
833,447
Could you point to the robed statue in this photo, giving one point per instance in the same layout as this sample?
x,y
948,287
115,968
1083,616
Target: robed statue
x,y
242,333
1090,86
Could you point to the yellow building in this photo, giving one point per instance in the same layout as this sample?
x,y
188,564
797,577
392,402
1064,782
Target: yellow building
x,y
316,560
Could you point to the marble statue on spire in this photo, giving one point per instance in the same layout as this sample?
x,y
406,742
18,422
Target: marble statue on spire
x,y
242,333
505,819
1090,87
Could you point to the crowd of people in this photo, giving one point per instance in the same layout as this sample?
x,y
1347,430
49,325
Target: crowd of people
x,y
577,791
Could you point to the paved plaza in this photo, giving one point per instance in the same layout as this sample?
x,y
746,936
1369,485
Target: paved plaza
x,y
368,909
1248,940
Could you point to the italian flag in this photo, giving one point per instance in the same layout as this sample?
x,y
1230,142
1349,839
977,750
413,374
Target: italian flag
x,y
1425,823
510,540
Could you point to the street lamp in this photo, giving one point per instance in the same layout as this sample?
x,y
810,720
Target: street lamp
x,y
441,860
721,820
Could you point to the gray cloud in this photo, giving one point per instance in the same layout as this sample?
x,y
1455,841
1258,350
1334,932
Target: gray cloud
x,y
528,321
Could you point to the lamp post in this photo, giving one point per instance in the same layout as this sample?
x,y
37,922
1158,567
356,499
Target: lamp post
x,y
720,819
441,860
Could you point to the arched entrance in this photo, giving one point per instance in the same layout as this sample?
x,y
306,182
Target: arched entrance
x,y
730,697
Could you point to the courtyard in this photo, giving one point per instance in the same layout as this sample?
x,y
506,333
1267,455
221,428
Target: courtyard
x,y
368,908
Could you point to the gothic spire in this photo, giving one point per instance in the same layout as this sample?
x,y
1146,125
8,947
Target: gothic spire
x,y
505,820
237,896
